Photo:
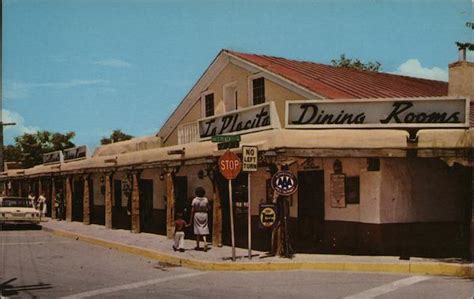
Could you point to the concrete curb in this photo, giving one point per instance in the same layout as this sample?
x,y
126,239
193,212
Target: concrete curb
x,y
428,268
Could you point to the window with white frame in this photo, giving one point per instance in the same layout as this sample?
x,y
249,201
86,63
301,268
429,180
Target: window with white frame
x,y
208,104
258,90
230,97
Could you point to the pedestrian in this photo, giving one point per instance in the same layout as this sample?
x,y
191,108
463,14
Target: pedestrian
x,y
179,225
42,205
59,203
199,217
32,199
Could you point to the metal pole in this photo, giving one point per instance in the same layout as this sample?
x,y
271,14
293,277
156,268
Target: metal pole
x,y
231,220
249,209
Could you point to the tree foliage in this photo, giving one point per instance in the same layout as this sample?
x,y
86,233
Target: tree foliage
x,y
467,45
116,136
30,147
343,61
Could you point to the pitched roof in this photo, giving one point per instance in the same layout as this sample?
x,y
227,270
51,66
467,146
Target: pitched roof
x,y
338,82
326,81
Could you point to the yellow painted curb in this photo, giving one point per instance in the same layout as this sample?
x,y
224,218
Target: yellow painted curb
x,y
432,268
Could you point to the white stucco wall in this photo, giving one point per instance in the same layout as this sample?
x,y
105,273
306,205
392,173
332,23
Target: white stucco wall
x,y
419,190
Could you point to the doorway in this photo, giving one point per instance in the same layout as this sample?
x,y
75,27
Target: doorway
x,y
145,188
77,200
310,210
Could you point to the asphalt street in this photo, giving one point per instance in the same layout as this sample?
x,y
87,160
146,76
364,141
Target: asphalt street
x,y
37,264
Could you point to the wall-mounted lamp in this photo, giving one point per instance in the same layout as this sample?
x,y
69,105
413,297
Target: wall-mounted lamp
x,y
162,176
270,157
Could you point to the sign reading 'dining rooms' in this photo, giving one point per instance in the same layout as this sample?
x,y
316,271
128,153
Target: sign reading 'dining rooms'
x,y
378,113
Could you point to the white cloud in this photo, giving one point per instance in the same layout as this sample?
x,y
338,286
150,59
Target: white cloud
x,y
112,62
22,90
19,128
413,68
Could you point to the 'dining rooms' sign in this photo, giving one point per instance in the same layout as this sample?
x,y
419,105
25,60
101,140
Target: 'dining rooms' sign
x,y
255,118
429,112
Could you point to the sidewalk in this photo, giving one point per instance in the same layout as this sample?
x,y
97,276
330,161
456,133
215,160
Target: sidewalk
x,y
219,258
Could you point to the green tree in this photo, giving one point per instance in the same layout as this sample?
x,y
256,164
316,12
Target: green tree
x,y
343,61
30,147
116,136
467,45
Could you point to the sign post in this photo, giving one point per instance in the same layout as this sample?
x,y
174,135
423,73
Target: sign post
x,y
230,166
249,157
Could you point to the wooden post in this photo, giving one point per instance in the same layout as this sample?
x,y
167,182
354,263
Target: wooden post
x,y
217,217
40,187
20,191
68,199
108,202
86,203
53,199
169,205
135,204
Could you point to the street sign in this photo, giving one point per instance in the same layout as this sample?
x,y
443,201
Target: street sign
x,y
228,145
225,138
249,158
284,182
230,165
268,215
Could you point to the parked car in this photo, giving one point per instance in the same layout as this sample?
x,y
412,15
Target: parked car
x,y
18,210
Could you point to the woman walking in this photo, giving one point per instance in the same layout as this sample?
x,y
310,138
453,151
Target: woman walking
x,y
200,207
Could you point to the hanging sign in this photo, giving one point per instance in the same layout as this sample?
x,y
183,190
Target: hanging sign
x,y
249,158
229,165
267,215
284,182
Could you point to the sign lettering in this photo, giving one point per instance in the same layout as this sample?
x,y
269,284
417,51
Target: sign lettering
x,y
75,153
428,112
254,118
249,158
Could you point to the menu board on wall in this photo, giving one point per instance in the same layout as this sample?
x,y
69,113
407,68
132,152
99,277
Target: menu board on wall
x,y
337,191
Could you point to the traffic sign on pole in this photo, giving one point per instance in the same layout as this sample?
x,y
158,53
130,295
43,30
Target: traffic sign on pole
x,y
249,158
230,165
225,138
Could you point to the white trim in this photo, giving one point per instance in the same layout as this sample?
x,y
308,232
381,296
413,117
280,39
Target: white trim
x,y
203,102
232,84
209,75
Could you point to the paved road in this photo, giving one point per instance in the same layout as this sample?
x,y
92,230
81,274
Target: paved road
x,y
34,263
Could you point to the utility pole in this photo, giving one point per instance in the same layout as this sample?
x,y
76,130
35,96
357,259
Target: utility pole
x,y
2,124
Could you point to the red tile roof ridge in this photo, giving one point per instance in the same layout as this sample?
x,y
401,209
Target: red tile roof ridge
x,y
335,82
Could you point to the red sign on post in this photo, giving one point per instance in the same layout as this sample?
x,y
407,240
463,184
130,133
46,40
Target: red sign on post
x,y
230,165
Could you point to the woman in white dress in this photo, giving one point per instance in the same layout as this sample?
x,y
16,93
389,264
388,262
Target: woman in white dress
x,y
199,217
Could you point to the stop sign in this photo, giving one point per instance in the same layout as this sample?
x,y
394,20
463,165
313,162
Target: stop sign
x,y
229,165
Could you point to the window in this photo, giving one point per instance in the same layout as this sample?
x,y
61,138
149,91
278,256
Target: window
x,y
373,164
258,88
352,190
209,104
230,97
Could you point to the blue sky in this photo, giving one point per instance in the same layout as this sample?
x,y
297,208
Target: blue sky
x,y
92,66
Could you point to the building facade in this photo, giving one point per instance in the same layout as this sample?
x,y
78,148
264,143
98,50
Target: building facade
x,y
383,162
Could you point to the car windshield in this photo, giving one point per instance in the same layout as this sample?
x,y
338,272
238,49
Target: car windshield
x,y
16,202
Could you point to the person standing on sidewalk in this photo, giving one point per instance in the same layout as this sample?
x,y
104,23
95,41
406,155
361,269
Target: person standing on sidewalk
x,y
42,205
32,199
179,225
59,204
199,217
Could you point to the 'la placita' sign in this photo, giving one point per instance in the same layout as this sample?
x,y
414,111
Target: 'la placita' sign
x,y
370,113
